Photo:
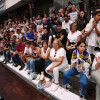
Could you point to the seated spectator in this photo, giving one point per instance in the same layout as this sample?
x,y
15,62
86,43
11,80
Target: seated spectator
x,y
17,55
95,74
39,36
27,54
66,24
1,47
30,35
73,37
61,34
74,14
46,36
18,34
6,48
11,50
82,21
44,59
80,64
34,57
59,63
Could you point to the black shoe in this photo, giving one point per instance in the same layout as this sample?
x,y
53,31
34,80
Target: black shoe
x,y
16,65
1,98
22,67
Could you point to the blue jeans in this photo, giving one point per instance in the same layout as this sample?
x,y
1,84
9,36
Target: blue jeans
x,y
31,64
17,60
47,63
83,79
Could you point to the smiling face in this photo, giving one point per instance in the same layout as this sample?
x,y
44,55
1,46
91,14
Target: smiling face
x,y
81,47
97,17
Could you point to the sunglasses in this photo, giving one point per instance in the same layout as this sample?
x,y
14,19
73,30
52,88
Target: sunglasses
x,y
55,54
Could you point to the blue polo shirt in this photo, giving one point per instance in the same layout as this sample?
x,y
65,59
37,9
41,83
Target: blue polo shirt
x,y
30,36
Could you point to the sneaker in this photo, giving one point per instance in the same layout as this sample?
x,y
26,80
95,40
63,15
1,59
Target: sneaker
x,y
82,97
33,76
5,62
41,77
69,86
38,77
16,65
54,87
22,67
25,67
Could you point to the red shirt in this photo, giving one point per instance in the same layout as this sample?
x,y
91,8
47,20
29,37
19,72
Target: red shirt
x,y
20,47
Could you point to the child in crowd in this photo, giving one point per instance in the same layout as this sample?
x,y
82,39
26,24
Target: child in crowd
x,y
27,53
80,64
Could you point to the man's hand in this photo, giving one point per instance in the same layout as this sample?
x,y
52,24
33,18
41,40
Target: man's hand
x,y
80,67
68,47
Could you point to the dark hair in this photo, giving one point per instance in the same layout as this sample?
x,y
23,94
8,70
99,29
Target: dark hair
x,y
45,28
72,25
85,15
96,12
34,44
59,23
80,42
45,41
28,42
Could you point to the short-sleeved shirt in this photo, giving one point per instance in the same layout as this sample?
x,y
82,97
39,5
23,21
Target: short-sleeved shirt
x,y
30,36
28,50
60,53
73,16
94,62
92,38
21,47
73,37
60,33
46,36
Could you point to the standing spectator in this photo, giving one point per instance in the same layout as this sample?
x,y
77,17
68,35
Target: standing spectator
x,y
95,74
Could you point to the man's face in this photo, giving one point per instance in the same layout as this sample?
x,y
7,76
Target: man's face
x,y
18,42
58,27
30,30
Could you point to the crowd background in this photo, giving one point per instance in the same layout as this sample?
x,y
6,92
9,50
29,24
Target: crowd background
x,y
48,43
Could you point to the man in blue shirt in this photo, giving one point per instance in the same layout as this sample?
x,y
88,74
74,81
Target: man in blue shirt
x,y
30,35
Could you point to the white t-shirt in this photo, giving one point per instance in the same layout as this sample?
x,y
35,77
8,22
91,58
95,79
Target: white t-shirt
x,y
66,25
94,62
73,37
19,36
73,16
28,50
92,38
61,52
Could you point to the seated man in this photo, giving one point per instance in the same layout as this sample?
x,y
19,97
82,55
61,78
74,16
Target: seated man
x,y
17,55
95,74
30,35
6,48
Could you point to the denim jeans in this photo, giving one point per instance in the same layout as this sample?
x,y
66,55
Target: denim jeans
x,y
17,60
31,64
83,79
7,55
47,63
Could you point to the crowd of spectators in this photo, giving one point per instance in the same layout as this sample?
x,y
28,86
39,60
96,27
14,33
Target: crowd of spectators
x,y
49,43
